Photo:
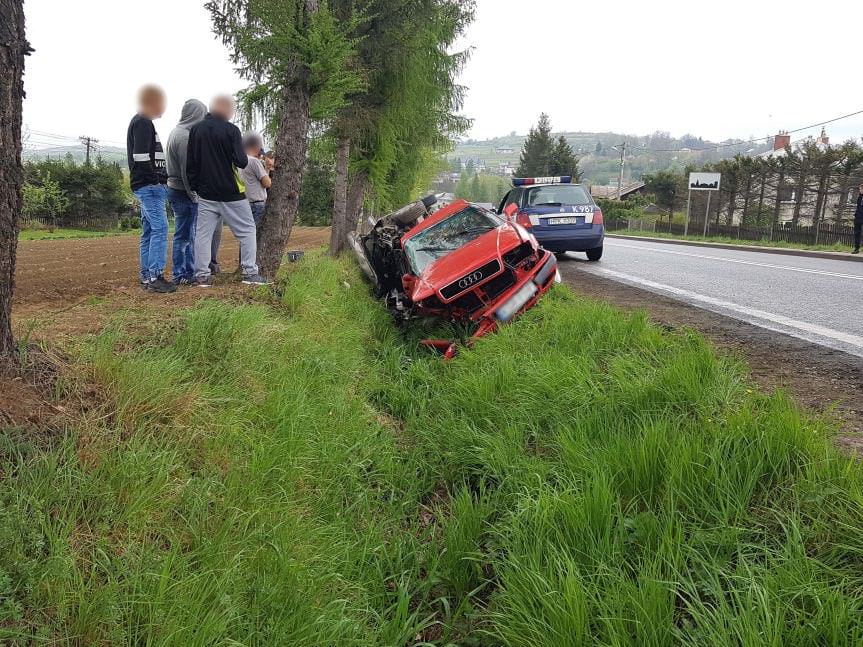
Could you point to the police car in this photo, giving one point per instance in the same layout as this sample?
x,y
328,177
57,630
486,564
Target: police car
x,y
561,215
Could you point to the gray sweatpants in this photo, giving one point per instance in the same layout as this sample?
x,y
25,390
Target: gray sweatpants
x,y
238,216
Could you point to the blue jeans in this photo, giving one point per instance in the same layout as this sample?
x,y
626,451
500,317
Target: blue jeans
x,y
185,217
258,211
154,230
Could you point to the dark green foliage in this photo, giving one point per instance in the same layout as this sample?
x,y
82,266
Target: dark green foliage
x,y
563,161
536,154
316,201
98,189
408,115
667,189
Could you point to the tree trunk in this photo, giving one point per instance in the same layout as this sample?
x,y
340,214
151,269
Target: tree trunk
x,y
356,195
13,49
777,207
758,215
339,230
732,205
798,198
746,199
292,141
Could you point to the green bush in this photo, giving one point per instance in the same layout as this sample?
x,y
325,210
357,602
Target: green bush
x,y
97,189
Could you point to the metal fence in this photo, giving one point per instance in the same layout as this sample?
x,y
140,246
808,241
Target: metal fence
x,y
819,234
84,221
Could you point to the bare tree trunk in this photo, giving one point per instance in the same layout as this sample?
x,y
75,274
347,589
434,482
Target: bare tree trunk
x,y
732,205
13,49
746,199
758,221
777,207
292,141
356,195
339,230
800,193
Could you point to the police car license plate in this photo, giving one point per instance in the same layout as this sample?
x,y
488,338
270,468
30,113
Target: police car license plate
x,y
572,220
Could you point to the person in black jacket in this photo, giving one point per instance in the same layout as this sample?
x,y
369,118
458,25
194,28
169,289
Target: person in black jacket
x,y
858,221
215,154
148,176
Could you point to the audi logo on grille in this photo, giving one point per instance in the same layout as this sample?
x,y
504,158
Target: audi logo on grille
x,y
470,279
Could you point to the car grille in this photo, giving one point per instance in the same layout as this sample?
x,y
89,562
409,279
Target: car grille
x,y
499,284
470,280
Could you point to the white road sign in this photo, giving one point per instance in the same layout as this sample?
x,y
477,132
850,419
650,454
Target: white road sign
x,y
704,181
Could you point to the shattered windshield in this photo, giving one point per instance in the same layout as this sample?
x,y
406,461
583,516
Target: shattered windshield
x,y
448,235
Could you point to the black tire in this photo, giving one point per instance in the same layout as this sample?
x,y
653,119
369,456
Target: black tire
x,y
594,254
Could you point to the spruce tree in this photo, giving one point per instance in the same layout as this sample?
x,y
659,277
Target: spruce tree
x,y
564,161
536,154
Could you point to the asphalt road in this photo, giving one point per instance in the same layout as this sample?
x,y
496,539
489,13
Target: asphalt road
x,y
819,300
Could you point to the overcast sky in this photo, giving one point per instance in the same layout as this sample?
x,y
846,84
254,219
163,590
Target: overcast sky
x,y
715,69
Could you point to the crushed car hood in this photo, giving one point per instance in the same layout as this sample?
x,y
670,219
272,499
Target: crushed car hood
x,y
474,255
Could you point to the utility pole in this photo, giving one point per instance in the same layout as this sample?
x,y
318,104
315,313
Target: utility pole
x,y
622,164
89,144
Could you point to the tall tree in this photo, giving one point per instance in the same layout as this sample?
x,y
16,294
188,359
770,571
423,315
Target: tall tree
x,y
536,154
563,160
665,187
408,114
13,49
297,56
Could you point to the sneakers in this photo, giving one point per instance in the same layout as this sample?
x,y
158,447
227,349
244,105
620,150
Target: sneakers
x,y
856,250
183,280
204,282
161,286
255,279
215,268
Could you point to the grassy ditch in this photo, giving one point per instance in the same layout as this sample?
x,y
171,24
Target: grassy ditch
x,y
297,472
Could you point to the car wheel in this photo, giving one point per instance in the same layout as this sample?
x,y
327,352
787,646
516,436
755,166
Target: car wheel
x,y
594,254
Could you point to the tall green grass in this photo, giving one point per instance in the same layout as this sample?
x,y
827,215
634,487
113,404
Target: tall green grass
x,y
298,472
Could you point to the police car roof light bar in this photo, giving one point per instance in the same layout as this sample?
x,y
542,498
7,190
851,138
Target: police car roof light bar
x,y
531,181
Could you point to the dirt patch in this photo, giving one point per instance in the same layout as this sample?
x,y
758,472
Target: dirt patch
x,y
819,378
68,289
65,271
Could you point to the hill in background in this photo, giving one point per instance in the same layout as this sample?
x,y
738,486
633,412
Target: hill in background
x,y
77,152
600,161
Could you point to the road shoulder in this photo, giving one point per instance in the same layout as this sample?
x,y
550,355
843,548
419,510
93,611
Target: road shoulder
x,y
820,379
763,249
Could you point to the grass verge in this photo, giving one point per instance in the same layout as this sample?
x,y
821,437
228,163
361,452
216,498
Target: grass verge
x,y
296,472
726,240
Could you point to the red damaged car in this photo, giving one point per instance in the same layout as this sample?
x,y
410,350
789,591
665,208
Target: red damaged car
x,y
461,263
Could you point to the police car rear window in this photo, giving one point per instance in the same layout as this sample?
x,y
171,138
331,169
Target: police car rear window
x,y
557,194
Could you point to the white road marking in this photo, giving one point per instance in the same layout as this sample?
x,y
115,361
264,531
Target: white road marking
x,y
741,262
713,303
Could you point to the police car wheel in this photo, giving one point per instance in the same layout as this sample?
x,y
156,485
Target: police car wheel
x,y
594,254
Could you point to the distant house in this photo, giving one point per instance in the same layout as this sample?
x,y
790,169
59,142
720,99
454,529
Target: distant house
x,y
504,150
609,192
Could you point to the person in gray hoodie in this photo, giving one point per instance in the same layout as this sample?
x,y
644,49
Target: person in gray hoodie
x,y
183,200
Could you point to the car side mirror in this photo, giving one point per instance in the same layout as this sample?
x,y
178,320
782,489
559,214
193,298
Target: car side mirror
x,y
510,210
